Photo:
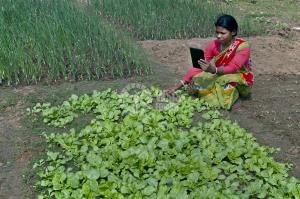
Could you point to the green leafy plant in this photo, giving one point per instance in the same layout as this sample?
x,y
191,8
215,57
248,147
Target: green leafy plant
x,y
133,150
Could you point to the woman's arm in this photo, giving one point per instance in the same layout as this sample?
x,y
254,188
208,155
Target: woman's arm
x,y
210,51
191,72
171,90
240,59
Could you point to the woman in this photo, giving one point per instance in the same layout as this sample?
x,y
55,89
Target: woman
x,y
225,72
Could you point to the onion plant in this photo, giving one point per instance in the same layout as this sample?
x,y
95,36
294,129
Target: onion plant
x,y
55,39
167,19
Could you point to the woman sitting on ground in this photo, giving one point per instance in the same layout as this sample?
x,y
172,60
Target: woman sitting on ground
x,y
225,73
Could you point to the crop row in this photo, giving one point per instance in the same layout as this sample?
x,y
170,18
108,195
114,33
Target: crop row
x,y
60,39
131,149
51,40
167,19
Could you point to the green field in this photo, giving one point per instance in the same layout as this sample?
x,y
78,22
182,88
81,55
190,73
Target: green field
x,y
134,149
59,40
112,144
66,40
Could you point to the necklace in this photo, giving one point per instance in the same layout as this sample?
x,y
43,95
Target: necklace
x,y
223,47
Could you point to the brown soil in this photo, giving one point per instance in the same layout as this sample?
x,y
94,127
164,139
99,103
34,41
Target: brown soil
x,y
272,114
270,55
15,153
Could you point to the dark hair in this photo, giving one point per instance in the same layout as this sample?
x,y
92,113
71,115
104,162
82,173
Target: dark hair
x,y
228,22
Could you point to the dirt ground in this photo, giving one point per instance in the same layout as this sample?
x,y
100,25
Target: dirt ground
x,y
272,114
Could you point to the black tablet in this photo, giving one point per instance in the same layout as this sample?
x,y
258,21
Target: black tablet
x,y
196,54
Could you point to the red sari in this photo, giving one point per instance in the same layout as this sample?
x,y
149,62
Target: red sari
x,y
230,57
223,90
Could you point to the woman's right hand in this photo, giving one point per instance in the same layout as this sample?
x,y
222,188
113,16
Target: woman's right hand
x,y
203,64
207,66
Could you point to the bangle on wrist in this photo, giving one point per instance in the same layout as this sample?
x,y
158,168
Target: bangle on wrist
x,y
216,70
182,82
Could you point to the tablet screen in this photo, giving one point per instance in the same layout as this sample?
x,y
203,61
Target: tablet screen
x,y
196,54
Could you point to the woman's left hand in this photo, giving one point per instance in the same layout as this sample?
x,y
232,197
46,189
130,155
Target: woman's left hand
x,y
207,66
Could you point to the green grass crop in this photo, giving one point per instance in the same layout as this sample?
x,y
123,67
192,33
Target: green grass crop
x,y
54,39
167,19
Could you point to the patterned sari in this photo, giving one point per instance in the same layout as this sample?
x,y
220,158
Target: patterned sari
x,y
223,90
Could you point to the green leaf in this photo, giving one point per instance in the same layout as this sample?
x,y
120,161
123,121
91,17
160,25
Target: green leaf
x,y
124,190
73,180
148,190
52,155
94,159
103,172
92,174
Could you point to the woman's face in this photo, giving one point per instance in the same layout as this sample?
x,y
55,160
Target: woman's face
x,y
223,35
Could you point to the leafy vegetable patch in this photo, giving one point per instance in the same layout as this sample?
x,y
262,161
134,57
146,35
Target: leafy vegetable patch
x,y
131,149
